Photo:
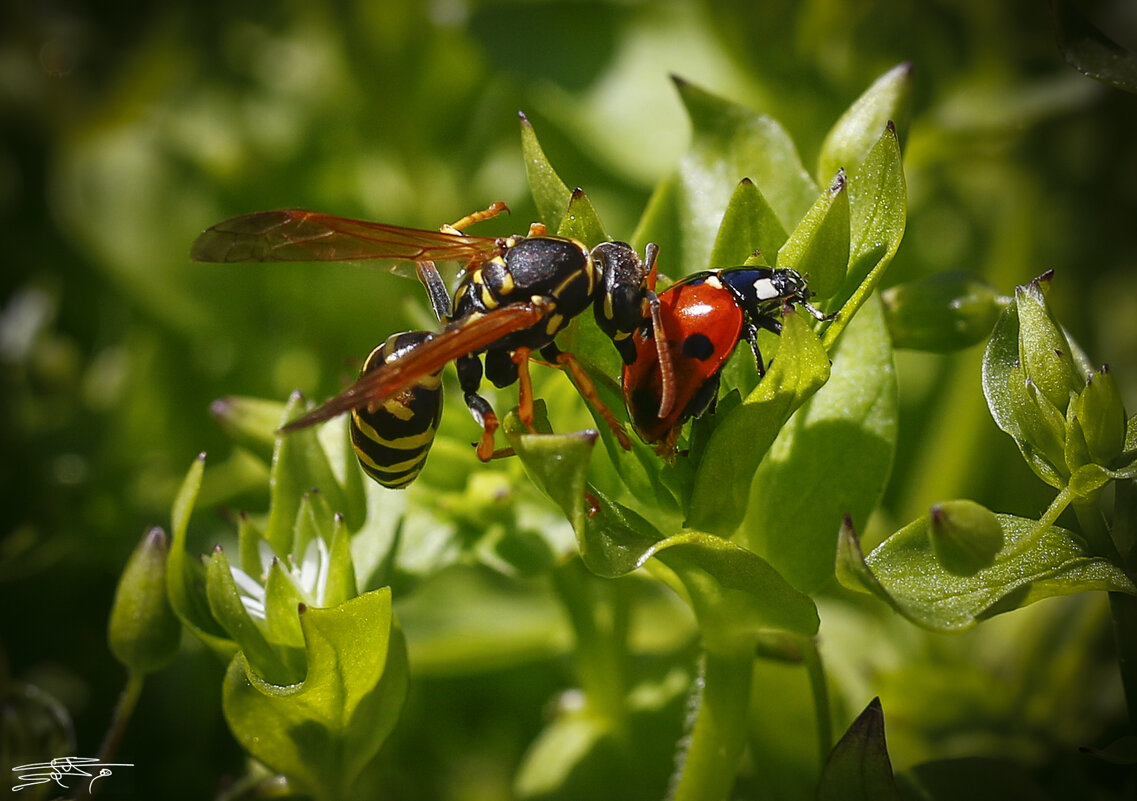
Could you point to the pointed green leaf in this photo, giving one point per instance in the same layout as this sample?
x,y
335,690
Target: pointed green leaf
x,y
250,422
341,570
729,143
851,138
185,577
557,464
1033,564
322,732
549,191
225,603
833,458
1090,51
282,605
877,215
581,220
299,465
614,540
1044,351
660,224
726,470
748,225
858,768
819,247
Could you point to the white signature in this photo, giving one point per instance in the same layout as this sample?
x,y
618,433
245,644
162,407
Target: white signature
x,y
57,769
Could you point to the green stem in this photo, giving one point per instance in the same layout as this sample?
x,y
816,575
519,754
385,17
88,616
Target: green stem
x,y
717,739
811,658
1122,606
113,738
599,612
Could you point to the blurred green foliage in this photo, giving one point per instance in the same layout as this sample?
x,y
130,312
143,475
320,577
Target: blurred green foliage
x,y
126,128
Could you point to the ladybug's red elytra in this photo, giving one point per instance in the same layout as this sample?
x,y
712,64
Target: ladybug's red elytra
x,y
704,316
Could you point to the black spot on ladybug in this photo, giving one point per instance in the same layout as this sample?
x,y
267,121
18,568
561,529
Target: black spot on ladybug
x,y
698,346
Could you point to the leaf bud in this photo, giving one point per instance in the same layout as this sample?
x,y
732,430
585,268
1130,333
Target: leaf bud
x,y
143,632
1044,351
941,312
964,535
1101,414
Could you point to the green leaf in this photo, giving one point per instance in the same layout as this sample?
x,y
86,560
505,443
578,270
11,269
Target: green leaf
x,y
819,247
614,540
581,220
731,142
1101,414
831,459
660,224
1033,564
282,604
1000,362
225,603
557,464
851,138
299,465
341,570
322,732
1044,351
1017,405
858,768
549,191
250,422
1090,51
877,212
748,225
726,470
734,593
185,576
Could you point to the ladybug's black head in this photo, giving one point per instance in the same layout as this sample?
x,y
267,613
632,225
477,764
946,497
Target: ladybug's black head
x,y
762,291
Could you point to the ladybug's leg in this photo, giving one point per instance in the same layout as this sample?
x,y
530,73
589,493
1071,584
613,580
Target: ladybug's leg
x,y
469,377
494,209
587,388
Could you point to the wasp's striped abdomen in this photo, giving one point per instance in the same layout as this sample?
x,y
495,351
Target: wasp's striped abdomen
x,y
392,438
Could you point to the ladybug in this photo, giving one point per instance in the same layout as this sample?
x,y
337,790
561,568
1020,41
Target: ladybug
x,y
704,317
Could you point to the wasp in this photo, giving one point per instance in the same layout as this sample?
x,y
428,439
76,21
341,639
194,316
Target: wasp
x,y
703,318
514,296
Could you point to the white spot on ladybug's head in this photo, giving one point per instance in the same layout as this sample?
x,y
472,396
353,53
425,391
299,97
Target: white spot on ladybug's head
x,y
764,289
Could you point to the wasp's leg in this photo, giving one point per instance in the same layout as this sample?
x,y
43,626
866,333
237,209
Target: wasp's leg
x,y
435,289
587,389
469,377
494,209
524,388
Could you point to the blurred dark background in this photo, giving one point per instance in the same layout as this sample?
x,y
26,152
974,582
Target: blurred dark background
x,y
126,128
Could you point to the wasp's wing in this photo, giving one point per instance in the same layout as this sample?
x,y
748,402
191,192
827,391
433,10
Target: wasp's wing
x,y
297,235
461,337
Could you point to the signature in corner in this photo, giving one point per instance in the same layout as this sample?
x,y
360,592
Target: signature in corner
x,y
62,767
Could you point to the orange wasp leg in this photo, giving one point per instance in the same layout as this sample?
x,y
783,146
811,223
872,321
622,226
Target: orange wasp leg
x,y
587,388
485,446
494,209
524,388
